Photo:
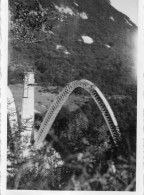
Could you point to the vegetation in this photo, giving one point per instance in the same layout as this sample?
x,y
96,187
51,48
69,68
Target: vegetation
x,y
78,155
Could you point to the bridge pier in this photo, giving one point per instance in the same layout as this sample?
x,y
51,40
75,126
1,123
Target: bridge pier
x,y
27,114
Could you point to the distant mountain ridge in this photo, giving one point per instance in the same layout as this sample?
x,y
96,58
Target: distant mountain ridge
x,y
72,39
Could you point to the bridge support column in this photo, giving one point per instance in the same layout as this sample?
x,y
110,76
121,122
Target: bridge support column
x,y
27,116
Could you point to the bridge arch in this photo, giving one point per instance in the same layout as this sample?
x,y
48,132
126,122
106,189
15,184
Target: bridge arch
x,y
62,97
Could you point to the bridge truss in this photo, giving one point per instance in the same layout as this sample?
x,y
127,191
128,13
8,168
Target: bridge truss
x,y
59,101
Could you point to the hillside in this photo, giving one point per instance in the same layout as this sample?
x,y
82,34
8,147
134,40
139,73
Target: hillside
x,y
52,38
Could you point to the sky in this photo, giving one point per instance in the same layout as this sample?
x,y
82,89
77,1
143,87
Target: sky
x,y
128,7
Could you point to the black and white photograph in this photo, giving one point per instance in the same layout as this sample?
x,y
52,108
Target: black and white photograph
x,y
72,96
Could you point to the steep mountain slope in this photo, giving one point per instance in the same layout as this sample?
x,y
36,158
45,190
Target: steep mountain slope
x,y
72,39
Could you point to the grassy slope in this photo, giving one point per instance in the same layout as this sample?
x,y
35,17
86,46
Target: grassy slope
x,y
44,98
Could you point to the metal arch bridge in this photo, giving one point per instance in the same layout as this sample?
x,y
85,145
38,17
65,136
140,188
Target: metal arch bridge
x,y
62,97
53,111
59,101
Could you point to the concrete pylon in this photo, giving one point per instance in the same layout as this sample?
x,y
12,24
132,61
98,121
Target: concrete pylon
x,y
27,114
